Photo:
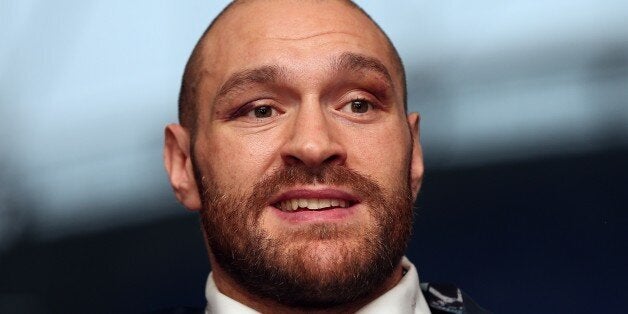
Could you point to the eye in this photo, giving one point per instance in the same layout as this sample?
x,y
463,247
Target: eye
x,y
359,106
262,112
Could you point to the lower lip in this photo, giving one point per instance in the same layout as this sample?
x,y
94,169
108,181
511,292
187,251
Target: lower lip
x,y
312,216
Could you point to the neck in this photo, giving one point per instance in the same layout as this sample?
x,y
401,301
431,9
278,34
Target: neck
x,y
227,286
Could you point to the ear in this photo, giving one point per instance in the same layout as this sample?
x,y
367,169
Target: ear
x,y
416,165
178,162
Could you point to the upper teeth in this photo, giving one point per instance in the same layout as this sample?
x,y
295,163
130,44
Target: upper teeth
x,y
311,203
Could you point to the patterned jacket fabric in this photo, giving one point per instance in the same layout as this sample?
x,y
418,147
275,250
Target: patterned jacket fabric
x,y
446,298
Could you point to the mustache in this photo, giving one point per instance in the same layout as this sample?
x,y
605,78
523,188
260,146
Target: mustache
x,y
361,185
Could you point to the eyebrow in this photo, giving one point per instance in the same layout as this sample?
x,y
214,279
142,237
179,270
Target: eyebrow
x,y
262,75
357,62
269,74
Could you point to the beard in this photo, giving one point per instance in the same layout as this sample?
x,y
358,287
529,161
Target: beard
x,y
321,265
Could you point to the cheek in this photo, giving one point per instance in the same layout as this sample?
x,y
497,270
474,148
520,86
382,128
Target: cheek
x,y
381,153
237,161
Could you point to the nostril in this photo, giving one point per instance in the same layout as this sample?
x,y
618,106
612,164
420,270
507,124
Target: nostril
x,y
334,159
320,158
291,160
312,150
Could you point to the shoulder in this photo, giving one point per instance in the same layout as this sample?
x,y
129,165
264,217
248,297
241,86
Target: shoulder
x,y
179,310
447,298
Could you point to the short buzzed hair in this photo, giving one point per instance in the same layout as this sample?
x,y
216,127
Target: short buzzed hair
x,y
188,94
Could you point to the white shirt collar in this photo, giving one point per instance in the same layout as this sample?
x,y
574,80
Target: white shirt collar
x,y
405,297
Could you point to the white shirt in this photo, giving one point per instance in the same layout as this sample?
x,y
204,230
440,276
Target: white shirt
x,y
405,297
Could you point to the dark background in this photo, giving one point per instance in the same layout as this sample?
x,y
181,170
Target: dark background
x,y
541,236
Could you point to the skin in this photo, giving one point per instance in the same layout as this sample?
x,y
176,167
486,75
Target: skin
x,y
311,120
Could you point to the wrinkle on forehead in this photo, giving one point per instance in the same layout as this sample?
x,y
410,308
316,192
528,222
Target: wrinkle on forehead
x,y
305,37
271,74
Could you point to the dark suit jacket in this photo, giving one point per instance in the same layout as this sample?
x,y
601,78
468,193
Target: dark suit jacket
x,y
441,298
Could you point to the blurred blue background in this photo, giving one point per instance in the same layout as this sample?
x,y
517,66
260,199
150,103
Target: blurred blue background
x,y
524,110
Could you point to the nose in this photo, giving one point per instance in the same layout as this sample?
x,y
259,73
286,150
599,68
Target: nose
x,y
313,139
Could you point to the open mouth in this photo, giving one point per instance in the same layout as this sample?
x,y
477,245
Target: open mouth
x,y
313,204
314,200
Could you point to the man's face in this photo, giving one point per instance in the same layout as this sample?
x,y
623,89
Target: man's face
x,y
304,157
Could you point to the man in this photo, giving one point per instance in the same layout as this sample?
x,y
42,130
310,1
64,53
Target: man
x,y
295,147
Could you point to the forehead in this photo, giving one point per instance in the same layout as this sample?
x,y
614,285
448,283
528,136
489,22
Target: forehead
x,y
290,33
300,14
293,19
